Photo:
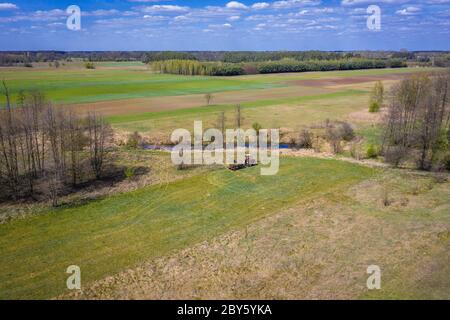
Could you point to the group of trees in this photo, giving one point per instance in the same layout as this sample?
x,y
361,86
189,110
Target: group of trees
x,y
194,67
238,120
167,55
417,125
11,59
44,149
289,65
442,61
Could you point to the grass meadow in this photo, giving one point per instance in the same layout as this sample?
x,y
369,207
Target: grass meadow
x,y
309,232
106,236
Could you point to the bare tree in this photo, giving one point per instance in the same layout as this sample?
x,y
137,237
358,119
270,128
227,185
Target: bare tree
x,y
76,144
98,133
221,122
8,144
238,116
208,98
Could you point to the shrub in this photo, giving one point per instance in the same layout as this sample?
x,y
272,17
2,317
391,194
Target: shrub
x,y
355,151
376,97
372,152
395,154
334,137
374,107
134,140
89,65
305,140
386,199
347,132
129,173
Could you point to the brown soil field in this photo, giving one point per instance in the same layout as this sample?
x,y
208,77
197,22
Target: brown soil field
x,y
331,82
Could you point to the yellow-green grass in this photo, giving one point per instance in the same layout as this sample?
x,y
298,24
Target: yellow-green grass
x,y
119,81
107,236
292,113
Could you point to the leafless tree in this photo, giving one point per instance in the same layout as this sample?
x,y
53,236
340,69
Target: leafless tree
x,y
238,116
208,98
76,143
221,122
98,133
8,144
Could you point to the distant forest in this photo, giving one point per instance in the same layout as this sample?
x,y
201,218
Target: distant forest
x,y
26,58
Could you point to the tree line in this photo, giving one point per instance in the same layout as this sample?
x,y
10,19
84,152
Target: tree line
x,y
44,149
251,56
289,65
9,58
194,67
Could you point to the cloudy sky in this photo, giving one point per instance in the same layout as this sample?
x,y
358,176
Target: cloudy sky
x,y
225,25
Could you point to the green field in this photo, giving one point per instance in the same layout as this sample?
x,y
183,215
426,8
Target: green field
x,y
77,85
70,86
106,236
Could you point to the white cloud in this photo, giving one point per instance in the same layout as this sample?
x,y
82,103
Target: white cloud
x,y
357,2
236,5
101,13
409,11
260,5
234,18
286,4
164,8
8,6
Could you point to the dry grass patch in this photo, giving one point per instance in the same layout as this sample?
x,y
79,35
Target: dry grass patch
x,y
318,250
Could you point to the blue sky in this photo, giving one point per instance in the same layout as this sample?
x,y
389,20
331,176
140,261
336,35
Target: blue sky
x,y
225,25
